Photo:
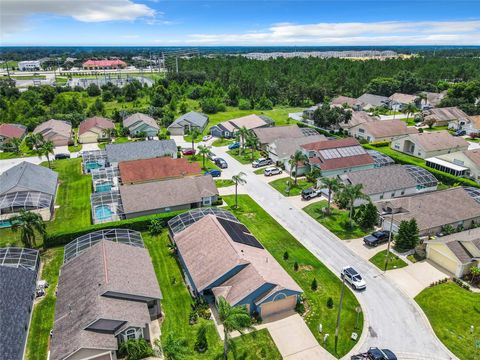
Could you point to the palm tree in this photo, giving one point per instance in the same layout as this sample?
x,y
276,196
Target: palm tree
x,y
238,180
294,160
251,142
13,145
194,133
243,134
332,184
233,318
28,223
34,141
174,347
204,151
352,193
410,109
46,149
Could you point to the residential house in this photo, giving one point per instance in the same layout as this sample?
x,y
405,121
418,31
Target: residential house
x,y
308,112
345,101
104,64
457,253
11,131
107,294
27,186
268,135
443,116
470,124
94,129
399,101
138,124
461,163
357,118
57,131
431,99
187,122
371,101
429,144
393,181
220,256
18,278
138,150
168,195
163,168
227,129
458,207
335,157
384,130
282,149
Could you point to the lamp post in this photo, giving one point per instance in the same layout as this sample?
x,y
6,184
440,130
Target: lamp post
x,y
389,241
337,328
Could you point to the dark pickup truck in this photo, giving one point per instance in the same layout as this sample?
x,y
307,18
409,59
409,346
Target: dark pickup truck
x,y
376,238
375,354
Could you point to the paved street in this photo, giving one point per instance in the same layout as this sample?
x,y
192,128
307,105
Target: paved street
x,y
393,320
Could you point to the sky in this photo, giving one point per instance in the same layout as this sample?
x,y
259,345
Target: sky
x,y
244,22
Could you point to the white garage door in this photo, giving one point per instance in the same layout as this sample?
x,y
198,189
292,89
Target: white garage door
x,y
278,306
442,260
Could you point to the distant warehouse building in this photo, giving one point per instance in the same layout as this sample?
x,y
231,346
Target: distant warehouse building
x,y
32,65
104,64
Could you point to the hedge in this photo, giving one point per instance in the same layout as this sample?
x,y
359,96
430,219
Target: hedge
x,y
138,224
444,177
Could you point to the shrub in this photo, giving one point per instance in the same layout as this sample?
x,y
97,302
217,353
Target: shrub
x,y
285,255
135,349
330,303
244,104
314,284
201,343
295,266
300,307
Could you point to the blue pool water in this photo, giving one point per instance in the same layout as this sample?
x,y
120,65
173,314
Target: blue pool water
x,y
5,224
93,165
103,188
103,212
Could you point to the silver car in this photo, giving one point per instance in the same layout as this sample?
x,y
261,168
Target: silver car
x,y
272,171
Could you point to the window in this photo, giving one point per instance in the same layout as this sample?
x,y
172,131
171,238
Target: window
x,y
397,146
403,192
130,334
381,197
393,194
361,131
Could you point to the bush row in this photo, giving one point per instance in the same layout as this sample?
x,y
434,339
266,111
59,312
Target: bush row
x,y
138,224
444,177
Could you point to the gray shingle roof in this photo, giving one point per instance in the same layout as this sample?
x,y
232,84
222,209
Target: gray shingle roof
x,y
139,117
17,291
374,100
193,117
140,150
28,177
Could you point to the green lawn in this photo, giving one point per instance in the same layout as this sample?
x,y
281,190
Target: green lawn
x,y
224,183
246,156
75,148
73,199
277,240
209,164
259,171
28,77
282,184
44,310
394,262
221,142
117,140
176,305
337,222
436,128
451,311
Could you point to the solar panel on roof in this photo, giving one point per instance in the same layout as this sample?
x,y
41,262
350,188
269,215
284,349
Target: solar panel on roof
x,y
239,233
473,192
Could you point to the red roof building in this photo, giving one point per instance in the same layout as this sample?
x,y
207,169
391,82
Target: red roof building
x,y
96,121
10,131
163,168
104,64
335,157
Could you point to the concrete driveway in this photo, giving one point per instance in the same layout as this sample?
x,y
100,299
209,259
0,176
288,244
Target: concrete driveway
x,y
294,339
413,278
359,248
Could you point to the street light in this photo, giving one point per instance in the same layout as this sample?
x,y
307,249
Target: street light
x,y
337,328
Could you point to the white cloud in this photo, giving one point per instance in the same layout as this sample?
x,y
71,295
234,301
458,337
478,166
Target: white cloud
x,y
13,13
354,33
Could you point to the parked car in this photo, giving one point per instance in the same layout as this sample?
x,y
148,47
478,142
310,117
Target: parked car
x,y
214,173
234,145
376,238
211,156
262,162
460,133
353,278
311,193
272,171
375,354
206,137
221,163
62,156
188,152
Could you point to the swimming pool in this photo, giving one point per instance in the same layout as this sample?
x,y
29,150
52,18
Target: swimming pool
x,y
106,187
103,212
5,224
93,165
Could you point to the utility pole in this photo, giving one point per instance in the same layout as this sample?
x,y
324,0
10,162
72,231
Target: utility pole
x,y
389,243
176,62
337,328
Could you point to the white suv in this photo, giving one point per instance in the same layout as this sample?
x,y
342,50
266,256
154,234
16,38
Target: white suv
x,y
353,277
272,171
